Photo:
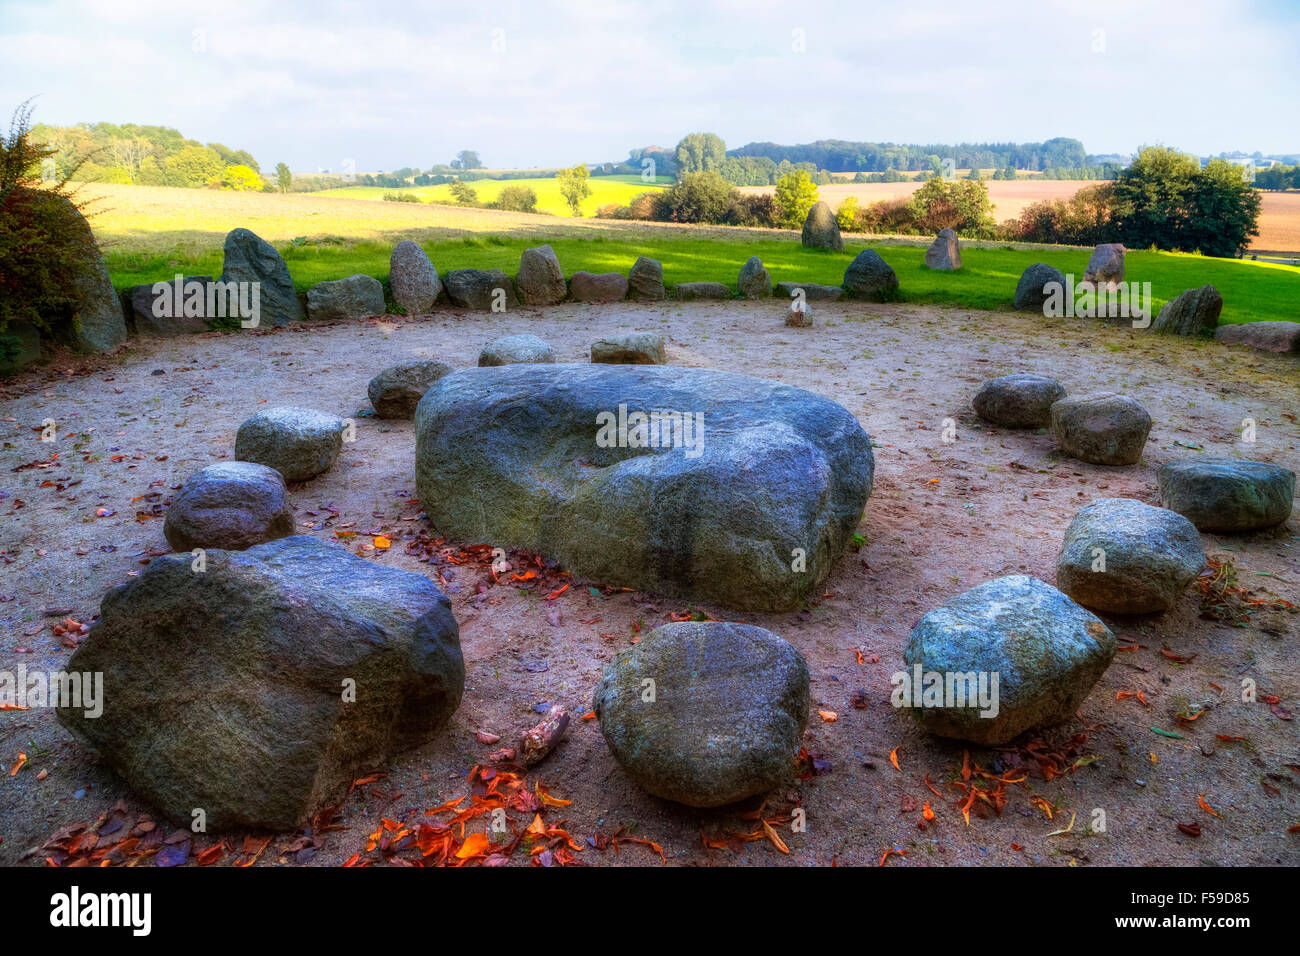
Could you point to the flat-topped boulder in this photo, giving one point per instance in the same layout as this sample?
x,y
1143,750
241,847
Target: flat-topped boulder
x,y
645,280
1122,556
729,708
945,252
1102,428
705,484
299,443
1105,267
1194,312
413,279
250,258
486,290
1228,495
355,297
754,282
152,310
512,349
1266,336
258,689
870,277
397,390
1018,401
231,505
598,287
812,292
540,280
1035,287
630,348
1044,651
821,230
690,291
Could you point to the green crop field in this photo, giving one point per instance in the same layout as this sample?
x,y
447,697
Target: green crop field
x,y
604,190
151,233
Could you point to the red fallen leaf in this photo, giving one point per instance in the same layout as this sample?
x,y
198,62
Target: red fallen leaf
x,y
487,738
1226,739
1293,829
890,852
1177,658
354,860
1279,711
1200,802
556,593
1191,829
1017,847
589,715
211,855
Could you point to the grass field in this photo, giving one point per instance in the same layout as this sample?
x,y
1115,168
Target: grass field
x,y
604,190
1279,216
150,234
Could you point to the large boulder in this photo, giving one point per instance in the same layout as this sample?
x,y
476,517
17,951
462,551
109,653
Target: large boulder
x,y
721,718
1267,336
1105,268
646,280
1227,495
870,277
152,311
821,230
299,443
249,258
1018,401
355,297
812,292
487,290
1121,556
1032,291
512,349
258,689
737,490
754,282
1043,650
1194,312
231,505
1102,429
630,348
602,287
690,291
396,391
540,280
413,279
945,252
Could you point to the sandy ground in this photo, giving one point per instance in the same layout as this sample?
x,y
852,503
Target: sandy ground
x,y
943,518
1279,215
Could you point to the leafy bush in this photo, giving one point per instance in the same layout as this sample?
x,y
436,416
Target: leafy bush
x,y
698,197
846,214
46,247
1082,220
464,194
516,199
961,205
760,210
401,197
795,195
575,186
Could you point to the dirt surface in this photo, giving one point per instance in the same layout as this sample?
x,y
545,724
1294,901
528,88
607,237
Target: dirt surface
x,y
942,518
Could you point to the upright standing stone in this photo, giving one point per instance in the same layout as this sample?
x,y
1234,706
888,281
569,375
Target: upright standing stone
x,y
249,258
945,252
870,277
1106,266
821,230
754,282
1034,288
646,280
413,279
540,280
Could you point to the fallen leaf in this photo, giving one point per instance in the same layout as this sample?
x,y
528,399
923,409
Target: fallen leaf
x,y
893,758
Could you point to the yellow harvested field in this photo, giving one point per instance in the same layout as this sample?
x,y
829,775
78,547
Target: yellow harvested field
x,y
1279,220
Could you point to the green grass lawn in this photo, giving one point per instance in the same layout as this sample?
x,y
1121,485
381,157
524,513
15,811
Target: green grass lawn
x,y
1252,291
604,190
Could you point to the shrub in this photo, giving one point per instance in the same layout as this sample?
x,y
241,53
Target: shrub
x,y
464,194
846,214
795,195
46,247
961,205
888,216
1085,219
758,210
575,186
516,199
698,197
400,197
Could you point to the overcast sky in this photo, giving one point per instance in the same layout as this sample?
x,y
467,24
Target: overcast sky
x,y
556,82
